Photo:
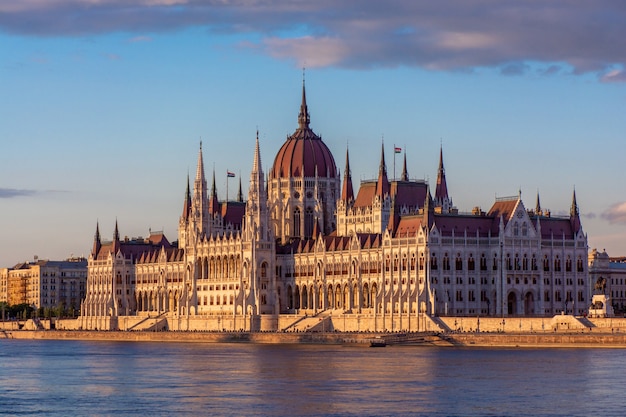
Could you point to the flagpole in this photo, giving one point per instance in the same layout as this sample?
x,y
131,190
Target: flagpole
x,y
227,178
394,161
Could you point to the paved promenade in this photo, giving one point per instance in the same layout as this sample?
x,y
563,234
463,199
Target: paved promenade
x,y
513,340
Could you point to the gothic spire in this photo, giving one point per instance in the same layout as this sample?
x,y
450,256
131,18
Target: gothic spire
x,y
537,205
97,243
575,213
256,162
199,202
116,232
347,193
574,209
200,167
187,203
441,191
382,186
303,118
116,239
213,203
405,173
240,194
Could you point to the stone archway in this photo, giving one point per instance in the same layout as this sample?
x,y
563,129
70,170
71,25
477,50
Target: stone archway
x,y
529,304
512,303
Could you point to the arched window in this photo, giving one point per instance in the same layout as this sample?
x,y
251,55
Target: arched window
x,y
296,222
308,222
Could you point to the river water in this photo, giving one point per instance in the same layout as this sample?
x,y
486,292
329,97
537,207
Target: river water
x,y
61,378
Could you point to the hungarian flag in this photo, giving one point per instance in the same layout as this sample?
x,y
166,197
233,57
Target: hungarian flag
x,y
397,150
230,174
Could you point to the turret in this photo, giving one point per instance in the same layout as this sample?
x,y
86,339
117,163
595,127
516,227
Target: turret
x,y
199,205
382,186
97,243
347,193
405,173
442,199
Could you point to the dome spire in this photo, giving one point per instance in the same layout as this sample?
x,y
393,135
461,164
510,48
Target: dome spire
x,y
303,118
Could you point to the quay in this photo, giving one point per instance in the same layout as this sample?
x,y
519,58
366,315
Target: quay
x,y
450,339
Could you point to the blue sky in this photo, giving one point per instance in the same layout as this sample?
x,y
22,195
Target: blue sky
x,y
104,102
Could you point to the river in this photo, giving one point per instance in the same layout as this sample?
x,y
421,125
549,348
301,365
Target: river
x,y
60,378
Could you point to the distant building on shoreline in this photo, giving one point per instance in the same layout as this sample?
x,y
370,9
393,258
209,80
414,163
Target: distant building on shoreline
x,y
306,245
45,283
608,276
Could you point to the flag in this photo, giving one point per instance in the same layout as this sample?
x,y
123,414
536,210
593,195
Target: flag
x,y
397,150
230,174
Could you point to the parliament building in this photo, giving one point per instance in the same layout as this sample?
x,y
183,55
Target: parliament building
x,y
306,251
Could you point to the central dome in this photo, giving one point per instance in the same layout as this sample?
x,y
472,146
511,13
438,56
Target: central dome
x,y
304,154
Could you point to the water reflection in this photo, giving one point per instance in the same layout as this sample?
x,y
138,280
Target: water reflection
x,y
100,378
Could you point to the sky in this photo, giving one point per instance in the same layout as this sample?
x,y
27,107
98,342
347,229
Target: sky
x,y
103,104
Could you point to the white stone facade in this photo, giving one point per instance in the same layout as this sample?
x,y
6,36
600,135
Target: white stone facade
x,y
383,259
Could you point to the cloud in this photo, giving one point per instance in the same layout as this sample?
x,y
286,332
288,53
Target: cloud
x,y
614,76
13,192
142,38
616,214
580,35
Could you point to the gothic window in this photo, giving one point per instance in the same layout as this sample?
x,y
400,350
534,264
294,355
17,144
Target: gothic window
x,y
518,266
546,263
509,264
433,261
470,263
458,262
579,265
446,262
525,263
524,229
568,264
557,264
483,262
533,263
296,222
308,222
515,229
495,262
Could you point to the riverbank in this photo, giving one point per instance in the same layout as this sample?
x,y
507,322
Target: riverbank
x,y
505,340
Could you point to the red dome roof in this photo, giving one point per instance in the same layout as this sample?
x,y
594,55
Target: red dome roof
x,y
304,153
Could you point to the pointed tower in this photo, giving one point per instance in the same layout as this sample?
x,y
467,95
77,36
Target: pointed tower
x,y
538,206
199,203
214,205
405,173
257,220
116,239
347,193
240,193
574,214
183,222
97,243
382,186
442,200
